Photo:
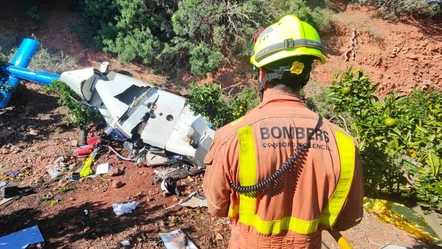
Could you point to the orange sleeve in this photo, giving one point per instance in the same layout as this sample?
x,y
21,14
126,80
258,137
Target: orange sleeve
x,y
216,181
352,212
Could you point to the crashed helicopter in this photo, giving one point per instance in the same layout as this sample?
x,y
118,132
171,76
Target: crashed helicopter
x,y
155,125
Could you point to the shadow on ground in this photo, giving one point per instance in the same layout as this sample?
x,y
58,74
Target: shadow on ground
x,y
71,224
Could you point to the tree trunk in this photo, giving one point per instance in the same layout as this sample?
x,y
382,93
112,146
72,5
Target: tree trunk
x,y
83,134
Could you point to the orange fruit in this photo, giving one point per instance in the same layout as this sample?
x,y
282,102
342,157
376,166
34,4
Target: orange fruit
x,y
346,90
390,122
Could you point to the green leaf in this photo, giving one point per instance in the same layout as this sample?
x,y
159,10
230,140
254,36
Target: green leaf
x,y
431,137
422,129
438,187
434,162
423,204
396,142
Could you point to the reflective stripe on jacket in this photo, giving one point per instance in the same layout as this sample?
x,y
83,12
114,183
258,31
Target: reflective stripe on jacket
x,y
322,189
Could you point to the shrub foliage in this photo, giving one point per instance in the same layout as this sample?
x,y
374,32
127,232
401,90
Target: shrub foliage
x,y
218,107
185,34
392,9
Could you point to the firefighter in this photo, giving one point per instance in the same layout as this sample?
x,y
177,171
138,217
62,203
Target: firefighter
x,y
281,173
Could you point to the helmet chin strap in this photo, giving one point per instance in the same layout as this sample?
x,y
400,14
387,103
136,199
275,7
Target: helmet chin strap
x,y
264,77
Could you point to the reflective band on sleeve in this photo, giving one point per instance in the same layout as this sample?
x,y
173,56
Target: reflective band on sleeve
x,y
233,211
346,149
247,172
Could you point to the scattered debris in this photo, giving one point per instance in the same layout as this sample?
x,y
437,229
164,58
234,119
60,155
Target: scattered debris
x,y
55,168
402,217
103,168
125,243
393,247
86,212
155,160
175,173
13,173
87,166
156,180
169,185
124,208
176,240
22,238
9,191
103,66
163,173
75,176
194,200
89,147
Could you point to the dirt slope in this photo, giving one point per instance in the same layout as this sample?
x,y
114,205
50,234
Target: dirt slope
x,y
398,55
33,135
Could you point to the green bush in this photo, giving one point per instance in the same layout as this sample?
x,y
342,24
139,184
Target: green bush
x,y
3,61
210,101
219,108
392,9
319,18
130,29
4,86
34,13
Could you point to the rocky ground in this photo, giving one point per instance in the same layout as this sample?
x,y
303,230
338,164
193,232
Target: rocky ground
x,y
34,135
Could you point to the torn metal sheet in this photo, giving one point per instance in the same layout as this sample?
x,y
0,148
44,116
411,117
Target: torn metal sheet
x,y
6,200
194,200
393,247
175,173
103,168
177,240
155,159
21,239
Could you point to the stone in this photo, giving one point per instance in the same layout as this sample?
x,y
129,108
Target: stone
x,y
33,132
74,143
5,133
177,208
117,184
5,151
219,236
115,172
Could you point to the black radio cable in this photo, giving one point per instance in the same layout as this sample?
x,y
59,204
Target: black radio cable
x,y
284,167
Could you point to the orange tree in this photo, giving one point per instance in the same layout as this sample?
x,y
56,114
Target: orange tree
x,y
400,138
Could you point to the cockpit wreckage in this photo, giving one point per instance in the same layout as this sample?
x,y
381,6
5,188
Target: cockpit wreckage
x,y
155,125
